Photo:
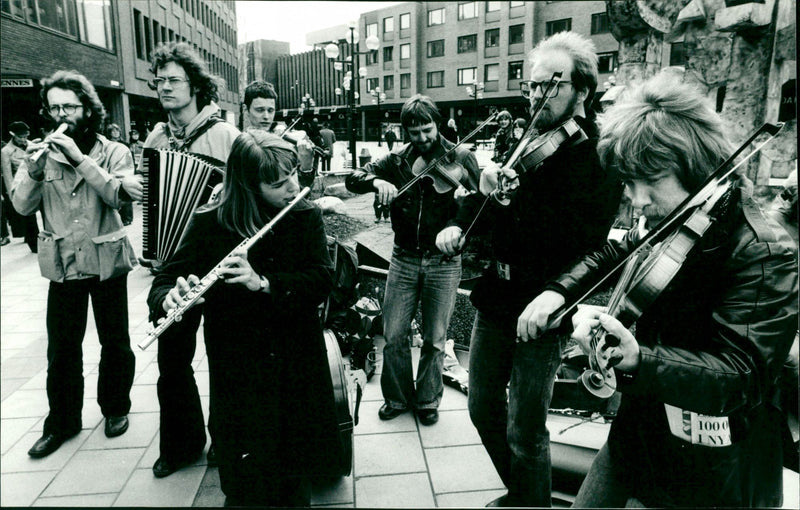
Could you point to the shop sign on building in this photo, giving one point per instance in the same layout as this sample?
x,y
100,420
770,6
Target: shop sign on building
x,y
16,83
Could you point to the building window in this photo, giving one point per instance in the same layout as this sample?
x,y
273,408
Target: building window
x,y
468,43
600,23
388,83
388,53
137,31
94,23
559,25
57,14
372,29
405,81
436,48
516,34
371,58
515,4
491,72
606,62
515,70
148,42
405,51
493,6
388,25
677,54
468,10
493,38
13,7
467,76
373,83
405,22
435,79
436,17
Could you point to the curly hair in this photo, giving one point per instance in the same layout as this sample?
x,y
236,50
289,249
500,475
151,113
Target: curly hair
x,y
583,53
204,84
82,87
662,125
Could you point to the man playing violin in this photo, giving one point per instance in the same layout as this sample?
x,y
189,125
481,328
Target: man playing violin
x,y
697,424
418,270
561,208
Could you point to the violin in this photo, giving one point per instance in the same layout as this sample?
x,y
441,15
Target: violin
x,y
444,173
293,136
651,266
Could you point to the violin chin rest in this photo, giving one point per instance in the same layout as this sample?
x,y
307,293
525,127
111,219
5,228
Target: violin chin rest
x,y
597,385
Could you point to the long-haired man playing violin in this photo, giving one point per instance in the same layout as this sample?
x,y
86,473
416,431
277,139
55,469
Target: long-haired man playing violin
x,y
561,208
697,425
418,271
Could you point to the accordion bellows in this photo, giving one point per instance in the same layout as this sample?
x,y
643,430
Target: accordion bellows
x,y
175,183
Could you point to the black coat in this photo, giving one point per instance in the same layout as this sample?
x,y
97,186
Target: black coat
x,y
561,210
712,342
271,390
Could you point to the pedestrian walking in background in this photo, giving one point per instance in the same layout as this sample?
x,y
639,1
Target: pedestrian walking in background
x,y
11,157
327,139
504,137
84,251
390,138
450,131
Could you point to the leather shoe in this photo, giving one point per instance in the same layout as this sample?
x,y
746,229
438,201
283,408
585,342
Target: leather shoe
x,y
164,467
499,502
47,444
428,416
116,425
389,413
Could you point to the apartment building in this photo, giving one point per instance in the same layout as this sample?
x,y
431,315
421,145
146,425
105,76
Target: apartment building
x,y
111,43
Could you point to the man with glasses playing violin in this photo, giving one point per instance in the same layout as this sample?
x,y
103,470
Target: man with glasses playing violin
x,y
418,270
697,425
563,205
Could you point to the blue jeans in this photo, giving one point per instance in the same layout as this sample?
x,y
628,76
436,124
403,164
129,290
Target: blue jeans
x,y
604,486
513,429
415,277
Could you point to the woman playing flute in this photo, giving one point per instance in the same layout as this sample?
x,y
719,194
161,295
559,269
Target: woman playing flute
x,y
270,383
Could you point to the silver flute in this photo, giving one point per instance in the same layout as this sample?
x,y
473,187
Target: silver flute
x,y
196,292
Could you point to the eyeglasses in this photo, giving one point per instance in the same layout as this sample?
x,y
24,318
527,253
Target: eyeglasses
x,y
528,88
174,81
69,109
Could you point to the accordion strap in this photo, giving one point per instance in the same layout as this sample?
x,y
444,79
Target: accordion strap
x,y
188,141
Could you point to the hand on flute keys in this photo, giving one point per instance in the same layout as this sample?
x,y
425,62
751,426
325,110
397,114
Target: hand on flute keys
x,y
236,269
174,298
35,150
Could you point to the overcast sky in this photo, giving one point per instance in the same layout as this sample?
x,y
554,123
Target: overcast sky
x,y
291,21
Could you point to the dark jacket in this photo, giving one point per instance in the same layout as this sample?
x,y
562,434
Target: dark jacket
x,y
271,389
503,140
713,342
421,212
561,210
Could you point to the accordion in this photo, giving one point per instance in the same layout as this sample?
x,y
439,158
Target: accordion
x,y
174,184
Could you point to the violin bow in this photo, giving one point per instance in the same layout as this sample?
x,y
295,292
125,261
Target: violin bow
x,y
706,191
514,154
436,161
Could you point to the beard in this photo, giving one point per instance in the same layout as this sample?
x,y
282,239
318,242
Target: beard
x,y
547,119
